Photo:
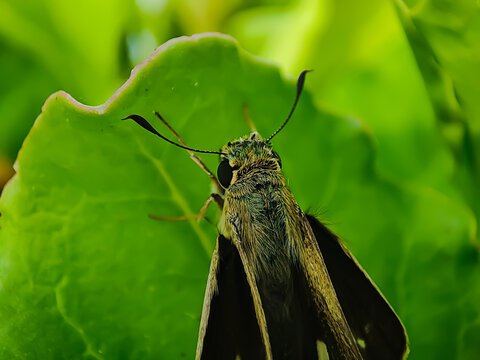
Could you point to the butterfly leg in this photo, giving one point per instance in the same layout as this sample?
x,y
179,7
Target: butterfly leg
x,y
198,161
201,214
248,120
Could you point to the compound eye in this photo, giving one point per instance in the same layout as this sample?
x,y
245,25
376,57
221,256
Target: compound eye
x,y
225,173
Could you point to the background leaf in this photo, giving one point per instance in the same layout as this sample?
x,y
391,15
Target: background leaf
x,y
86,274
444,37
51,45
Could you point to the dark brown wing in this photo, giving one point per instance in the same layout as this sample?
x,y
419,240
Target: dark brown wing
x,y
377,328
229,327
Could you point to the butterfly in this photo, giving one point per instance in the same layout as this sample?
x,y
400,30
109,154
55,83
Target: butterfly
x,y
281,285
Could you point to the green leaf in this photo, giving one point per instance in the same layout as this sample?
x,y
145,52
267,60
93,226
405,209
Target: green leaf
x,y
51,45
84,273
445,38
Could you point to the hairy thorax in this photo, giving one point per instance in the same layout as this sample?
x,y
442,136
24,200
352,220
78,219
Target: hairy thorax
x,y
259,208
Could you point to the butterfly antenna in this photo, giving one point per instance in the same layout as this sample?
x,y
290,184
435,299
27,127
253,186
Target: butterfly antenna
x,y
146,125
300,82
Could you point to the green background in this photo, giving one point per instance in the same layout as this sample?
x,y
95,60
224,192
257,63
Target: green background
x,y
384,146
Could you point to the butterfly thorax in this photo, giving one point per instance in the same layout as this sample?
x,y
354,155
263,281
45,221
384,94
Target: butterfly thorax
x,y
261,217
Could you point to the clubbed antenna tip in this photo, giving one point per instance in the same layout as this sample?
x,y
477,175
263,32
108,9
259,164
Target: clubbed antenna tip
x,y
300,82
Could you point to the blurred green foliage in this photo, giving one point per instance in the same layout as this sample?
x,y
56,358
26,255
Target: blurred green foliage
x,y
397,166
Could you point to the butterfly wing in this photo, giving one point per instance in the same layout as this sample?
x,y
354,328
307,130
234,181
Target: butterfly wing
x,y
229,328
361,316
233,325
377,329
331,330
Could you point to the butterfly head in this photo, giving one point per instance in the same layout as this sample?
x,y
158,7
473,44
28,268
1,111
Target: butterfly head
x,y
245,157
